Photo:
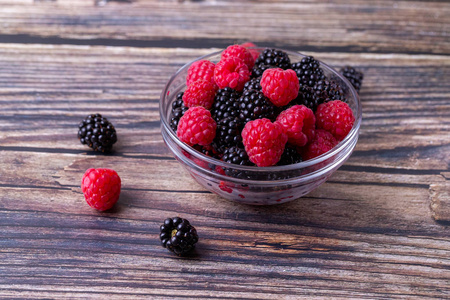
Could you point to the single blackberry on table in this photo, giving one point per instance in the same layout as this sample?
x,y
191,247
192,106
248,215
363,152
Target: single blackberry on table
x,y
308,71
254,105
226,104
228,133
97,132
253,84
178,110
290,156
354,76
274,57
178,235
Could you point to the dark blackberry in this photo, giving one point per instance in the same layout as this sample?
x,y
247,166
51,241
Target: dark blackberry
x,y
178,110
178,235
253,84
308,71
97,132
254,105
258,70
238,156
307,98
328,90
290,156
226,104
354,76
274,57
228,133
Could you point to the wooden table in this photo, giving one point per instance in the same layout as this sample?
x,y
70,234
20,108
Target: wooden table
x,y
379,228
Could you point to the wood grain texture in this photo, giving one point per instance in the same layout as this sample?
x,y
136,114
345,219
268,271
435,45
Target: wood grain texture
x,y
367,233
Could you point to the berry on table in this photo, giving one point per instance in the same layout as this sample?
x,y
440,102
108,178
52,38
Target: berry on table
x,y
354,76
231,72
101,188
178,235
241,53
280,86
199,93
335,117
197,126
97,132
201,70
264,142
298,123
322,142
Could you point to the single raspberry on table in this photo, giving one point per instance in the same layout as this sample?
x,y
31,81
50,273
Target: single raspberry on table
x,y
199,93
101,188
336,117
231,72
280,86
264,142
197,126
299,123
322,142
201,70
254,52
241,53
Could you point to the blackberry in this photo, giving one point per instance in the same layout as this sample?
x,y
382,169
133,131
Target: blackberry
x,y
253,84
307,98
274,57
259,69
228,133
238,156
178,235
178,110
354,76
254,105
308,71
290,156
328,90
97,132
226,104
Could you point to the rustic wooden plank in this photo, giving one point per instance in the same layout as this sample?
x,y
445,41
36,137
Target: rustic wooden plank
x,y
354,26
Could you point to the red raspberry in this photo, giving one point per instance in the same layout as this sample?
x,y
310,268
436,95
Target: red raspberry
x,y
199,93
239,52
264,142
231,72
298,123
254,52
201,70
336,117
197,126
101,188
280,86
322,142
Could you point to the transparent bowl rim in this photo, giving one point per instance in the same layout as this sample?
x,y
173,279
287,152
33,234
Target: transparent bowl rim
x,y
342,145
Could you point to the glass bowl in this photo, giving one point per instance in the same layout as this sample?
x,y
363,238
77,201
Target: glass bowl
x,y
257,185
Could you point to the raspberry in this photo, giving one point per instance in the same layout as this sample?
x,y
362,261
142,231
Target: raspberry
x,y
322,142
231,72
239,52
199,93
101,188
201,70
197,126
254,52
280,86
336,117
298,123
264,142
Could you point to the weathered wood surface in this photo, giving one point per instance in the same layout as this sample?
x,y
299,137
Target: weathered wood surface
x,y
369,232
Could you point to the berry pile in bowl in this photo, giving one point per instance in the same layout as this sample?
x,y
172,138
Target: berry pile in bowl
x,y
261,126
